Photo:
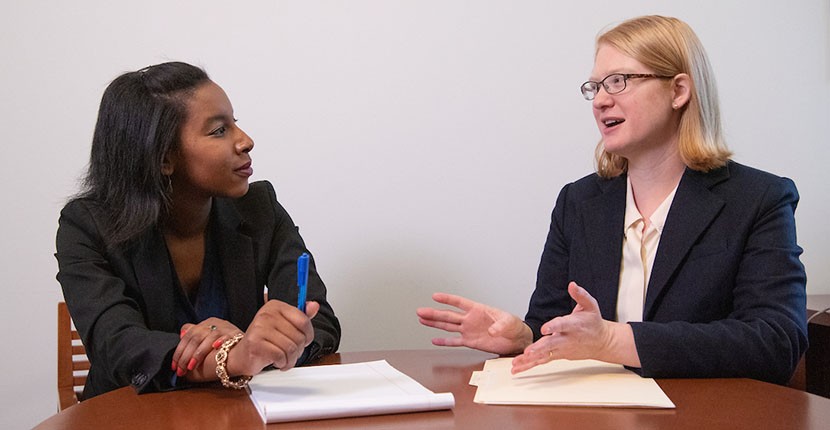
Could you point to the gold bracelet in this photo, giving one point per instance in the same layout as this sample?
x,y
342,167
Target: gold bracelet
x,y
222,361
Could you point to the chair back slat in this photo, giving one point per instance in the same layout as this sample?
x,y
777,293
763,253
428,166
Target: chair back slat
x,y
72,360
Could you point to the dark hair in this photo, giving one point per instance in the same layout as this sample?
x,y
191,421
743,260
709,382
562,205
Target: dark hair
x,y
138,124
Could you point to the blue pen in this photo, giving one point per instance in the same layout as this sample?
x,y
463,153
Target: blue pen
x,y
302,280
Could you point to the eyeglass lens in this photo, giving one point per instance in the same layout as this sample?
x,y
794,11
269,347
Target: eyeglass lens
x,y
612,84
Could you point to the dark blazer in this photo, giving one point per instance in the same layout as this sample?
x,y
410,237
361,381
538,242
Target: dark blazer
x,y
726,296
122,300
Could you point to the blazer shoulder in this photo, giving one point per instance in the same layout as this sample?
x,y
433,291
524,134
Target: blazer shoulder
x,y
589,186
84,212
741,171
259,206
81,206
749,180
259,192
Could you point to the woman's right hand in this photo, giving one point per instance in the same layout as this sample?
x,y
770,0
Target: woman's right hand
x,y
196,341
481,327
277,335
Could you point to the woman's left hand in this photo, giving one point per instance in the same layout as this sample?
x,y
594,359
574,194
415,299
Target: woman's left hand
x,y
581,335
197,340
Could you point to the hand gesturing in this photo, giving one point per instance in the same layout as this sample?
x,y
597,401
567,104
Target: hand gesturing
x,y
481,327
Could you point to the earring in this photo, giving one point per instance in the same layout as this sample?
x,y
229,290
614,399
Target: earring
x,y
674,106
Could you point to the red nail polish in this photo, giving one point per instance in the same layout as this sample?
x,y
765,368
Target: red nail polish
x,y
182,333
217,344
180,372
191,364
174,366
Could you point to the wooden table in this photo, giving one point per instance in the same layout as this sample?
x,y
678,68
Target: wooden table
x,y
701,404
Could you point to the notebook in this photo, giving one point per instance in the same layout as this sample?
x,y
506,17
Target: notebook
x,y
341,390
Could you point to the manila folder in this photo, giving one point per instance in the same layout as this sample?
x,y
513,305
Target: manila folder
x,y
567,383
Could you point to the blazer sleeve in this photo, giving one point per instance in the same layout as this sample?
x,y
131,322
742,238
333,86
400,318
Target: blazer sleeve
x,y
107,312
286,246
550,298
765,334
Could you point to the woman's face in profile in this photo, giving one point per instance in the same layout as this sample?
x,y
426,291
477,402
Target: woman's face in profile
x,y
639,117
212,158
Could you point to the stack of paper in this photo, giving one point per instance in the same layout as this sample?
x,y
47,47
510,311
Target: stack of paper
x,y
343,390
569,383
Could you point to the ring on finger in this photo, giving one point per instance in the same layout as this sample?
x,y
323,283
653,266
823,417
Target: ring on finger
x,y
212,327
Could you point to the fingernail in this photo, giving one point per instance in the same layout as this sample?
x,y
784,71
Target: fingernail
x,y
180,372
174,366
191,364
217,344
182,333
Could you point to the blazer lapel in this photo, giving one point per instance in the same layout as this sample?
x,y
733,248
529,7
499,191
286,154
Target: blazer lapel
x,y
151,263
236,253
692,211
603,218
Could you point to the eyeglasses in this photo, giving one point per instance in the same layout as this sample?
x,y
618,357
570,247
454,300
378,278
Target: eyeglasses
x,y
614,83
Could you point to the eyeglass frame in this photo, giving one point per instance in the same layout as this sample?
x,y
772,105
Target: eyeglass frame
x,y
626,77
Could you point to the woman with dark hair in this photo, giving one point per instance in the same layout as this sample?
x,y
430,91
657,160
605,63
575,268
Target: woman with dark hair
x,y
671,259
165,254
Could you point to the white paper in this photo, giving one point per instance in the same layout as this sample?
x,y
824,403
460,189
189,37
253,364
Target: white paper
x,y
342,390
568,383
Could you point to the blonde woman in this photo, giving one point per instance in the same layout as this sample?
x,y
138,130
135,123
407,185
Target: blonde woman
x,y
671,259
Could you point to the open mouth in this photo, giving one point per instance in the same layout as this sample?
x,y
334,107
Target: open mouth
x,y
613,122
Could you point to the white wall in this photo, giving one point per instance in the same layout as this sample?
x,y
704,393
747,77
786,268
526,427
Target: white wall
x,y
419,144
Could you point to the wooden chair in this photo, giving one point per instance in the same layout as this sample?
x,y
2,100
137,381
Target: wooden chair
x,y
72,360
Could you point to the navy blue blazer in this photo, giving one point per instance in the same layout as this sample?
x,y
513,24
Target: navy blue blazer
x,y
726,297
122,300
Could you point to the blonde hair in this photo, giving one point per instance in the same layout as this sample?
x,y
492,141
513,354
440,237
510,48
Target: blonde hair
x,y
669,47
